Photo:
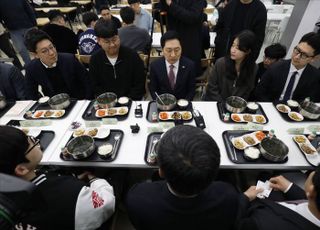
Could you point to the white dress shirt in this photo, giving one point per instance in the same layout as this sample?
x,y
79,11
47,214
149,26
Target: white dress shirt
x,y
296,81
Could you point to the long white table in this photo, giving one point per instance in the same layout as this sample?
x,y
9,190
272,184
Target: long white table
x,y
132,149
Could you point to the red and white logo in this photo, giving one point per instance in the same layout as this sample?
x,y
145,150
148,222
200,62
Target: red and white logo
x,y
97,201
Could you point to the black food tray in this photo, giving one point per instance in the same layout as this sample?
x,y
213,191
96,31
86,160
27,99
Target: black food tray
x,y
149,145
45,137
222,110
89,113
47,107
94,157
7,107
287,118
315,143
152,107
228,135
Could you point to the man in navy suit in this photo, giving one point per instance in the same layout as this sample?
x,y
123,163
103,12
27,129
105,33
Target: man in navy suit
x,y
54,72
298,209
293,79
172,73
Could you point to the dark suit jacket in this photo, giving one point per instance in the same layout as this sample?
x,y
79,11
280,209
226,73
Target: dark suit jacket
x,y
185,83
265,214
72,71
11,82
273,81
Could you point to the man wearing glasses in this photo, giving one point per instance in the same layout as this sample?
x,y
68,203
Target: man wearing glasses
x,y
295,78
54,72
115,68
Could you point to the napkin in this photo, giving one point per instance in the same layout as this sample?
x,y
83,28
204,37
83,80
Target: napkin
x,y
18,108
266,189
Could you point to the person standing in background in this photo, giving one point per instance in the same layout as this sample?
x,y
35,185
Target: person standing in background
x,y
237,16
18,17
142,19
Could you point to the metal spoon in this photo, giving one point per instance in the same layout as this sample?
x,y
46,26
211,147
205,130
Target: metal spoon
x,y
41,101
154,142
159,98
116,141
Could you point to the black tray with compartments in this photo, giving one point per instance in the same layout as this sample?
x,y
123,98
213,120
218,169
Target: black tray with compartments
x,y
94,157
287,118
152,140
236,155
89,113
45,136
47,107
8,106
152,107
222,110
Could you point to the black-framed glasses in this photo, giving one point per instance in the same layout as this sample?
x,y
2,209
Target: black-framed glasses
x,y
35,143
302,54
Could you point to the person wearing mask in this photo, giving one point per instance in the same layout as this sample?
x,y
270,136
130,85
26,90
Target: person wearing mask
x,y
234,74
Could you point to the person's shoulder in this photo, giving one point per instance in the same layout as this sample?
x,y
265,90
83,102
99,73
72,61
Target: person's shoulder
x,y
146,188
223,188
186,61
35,63
159,62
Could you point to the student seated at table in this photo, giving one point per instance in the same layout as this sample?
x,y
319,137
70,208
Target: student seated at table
x,y
115,68
61,202
88,43
11,82
132,36
272,54
143,18
294,78
54,72
298,209
188,198
64,39
234,74
106,15
172,73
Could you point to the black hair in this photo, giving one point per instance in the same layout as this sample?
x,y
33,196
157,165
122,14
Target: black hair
x,y
133,1
189,159
13,145
33,37
105,29
89,17
127,15
275,51
316,184
313,40
54,15
247,43
169,35
104,7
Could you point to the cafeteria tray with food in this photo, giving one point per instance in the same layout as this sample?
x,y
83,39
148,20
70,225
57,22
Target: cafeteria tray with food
x,y
156,115
256,114
150,156
7,107
310,147
244,147
293,111
120,111
104,149
44,111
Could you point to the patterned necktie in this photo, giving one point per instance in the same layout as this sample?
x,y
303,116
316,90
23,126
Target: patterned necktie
x,y
289,88
171,76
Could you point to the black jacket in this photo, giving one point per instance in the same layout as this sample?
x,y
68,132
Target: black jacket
x,y
125,78
17,14
11,82
255,21
264,214
274,79
72,71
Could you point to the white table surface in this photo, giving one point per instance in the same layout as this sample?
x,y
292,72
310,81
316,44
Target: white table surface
x,y
277,16
59,126
132,149
157,36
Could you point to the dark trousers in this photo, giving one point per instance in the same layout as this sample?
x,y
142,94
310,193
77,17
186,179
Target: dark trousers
x,y
7,48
